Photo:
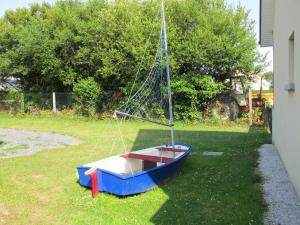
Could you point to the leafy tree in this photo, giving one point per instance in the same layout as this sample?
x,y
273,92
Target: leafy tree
x,y
270,77
52,48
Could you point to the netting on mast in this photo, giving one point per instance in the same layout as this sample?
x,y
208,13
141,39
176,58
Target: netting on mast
x,y
151,101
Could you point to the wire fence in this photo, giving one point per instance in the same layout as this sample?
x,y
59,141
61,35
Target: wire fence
x,y
9,105
223,108
29,102
49,101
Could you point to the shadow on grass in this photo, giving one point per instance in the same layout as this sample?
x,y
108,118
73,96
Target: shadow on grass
x,y
212,189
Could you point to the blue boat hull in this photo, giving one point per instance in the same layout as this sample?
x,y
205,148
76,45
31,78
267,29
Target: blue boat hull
x,y
131,184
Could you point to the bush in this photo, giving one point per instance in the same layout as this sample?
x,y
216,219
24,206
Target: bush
x,y
190,92
32,108
87,92
10,96
10,101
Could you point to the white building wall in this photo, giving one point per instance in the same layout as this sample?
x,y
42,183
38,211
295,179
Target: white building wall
x,y
286,113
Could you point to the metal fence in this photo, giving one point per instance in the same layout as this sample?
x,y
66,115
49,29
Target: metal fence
x,y
9,105
222,108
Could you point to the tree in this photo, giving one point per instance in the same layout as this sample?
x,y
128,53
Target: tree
x,y
269,76
52,48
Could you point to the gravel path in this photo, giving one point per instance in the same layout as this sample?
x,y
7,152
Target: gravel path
x,y
284,205
21,142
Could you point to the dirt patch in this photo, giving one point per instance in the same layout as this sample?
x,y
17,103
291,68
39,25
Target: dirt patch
x,y
4,214
14,143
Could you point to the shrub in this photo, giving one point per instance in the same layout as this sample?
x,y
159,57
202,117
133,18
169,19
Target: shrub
x,y
87,92
257,116
10,96
32,108
10,101
190,92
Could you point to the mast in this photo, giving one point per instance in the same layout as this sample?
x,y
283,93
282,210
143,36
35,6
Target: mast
x,y
164,34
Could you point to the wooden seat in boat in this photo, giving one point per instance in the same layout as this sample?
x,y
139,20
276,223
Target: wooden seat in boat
x,y
150,158
168,149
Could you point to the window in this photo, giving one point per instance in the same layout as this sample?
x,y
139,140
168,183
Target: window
x,y
291,85
291,58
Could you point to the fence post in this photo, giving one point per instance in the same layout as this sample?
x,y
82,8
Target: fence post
x,y
250,107
22,103
54,102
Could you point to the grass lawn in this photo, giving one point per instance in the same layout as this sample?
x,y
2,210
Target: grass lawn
x,y
43,189
15,148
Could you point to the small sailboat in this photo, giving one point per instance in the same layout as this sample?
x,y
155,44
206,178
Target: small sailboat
x,y
139,171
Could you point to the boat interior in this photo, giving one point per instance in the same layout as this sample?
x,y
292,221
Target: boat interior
x,y
137,161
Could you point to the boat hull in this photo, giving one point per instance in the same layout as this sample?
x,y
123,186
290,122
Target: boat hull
x,y
131,184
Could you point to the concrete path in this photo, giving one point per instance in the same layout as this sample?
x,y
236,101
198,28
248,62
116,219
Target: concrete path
x,y
284,205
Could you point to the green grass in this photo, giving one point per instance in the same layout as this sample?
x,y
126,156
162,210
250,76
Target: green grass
x,y
1,143
15,148
43,188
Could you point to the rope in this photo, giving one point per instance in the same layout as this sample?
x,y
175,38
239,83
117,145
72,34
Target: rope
x,y
151,102
143,57
124,144
151,99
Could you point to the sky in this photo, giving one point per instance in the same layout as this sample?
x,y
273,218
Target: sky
x,y
252,5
